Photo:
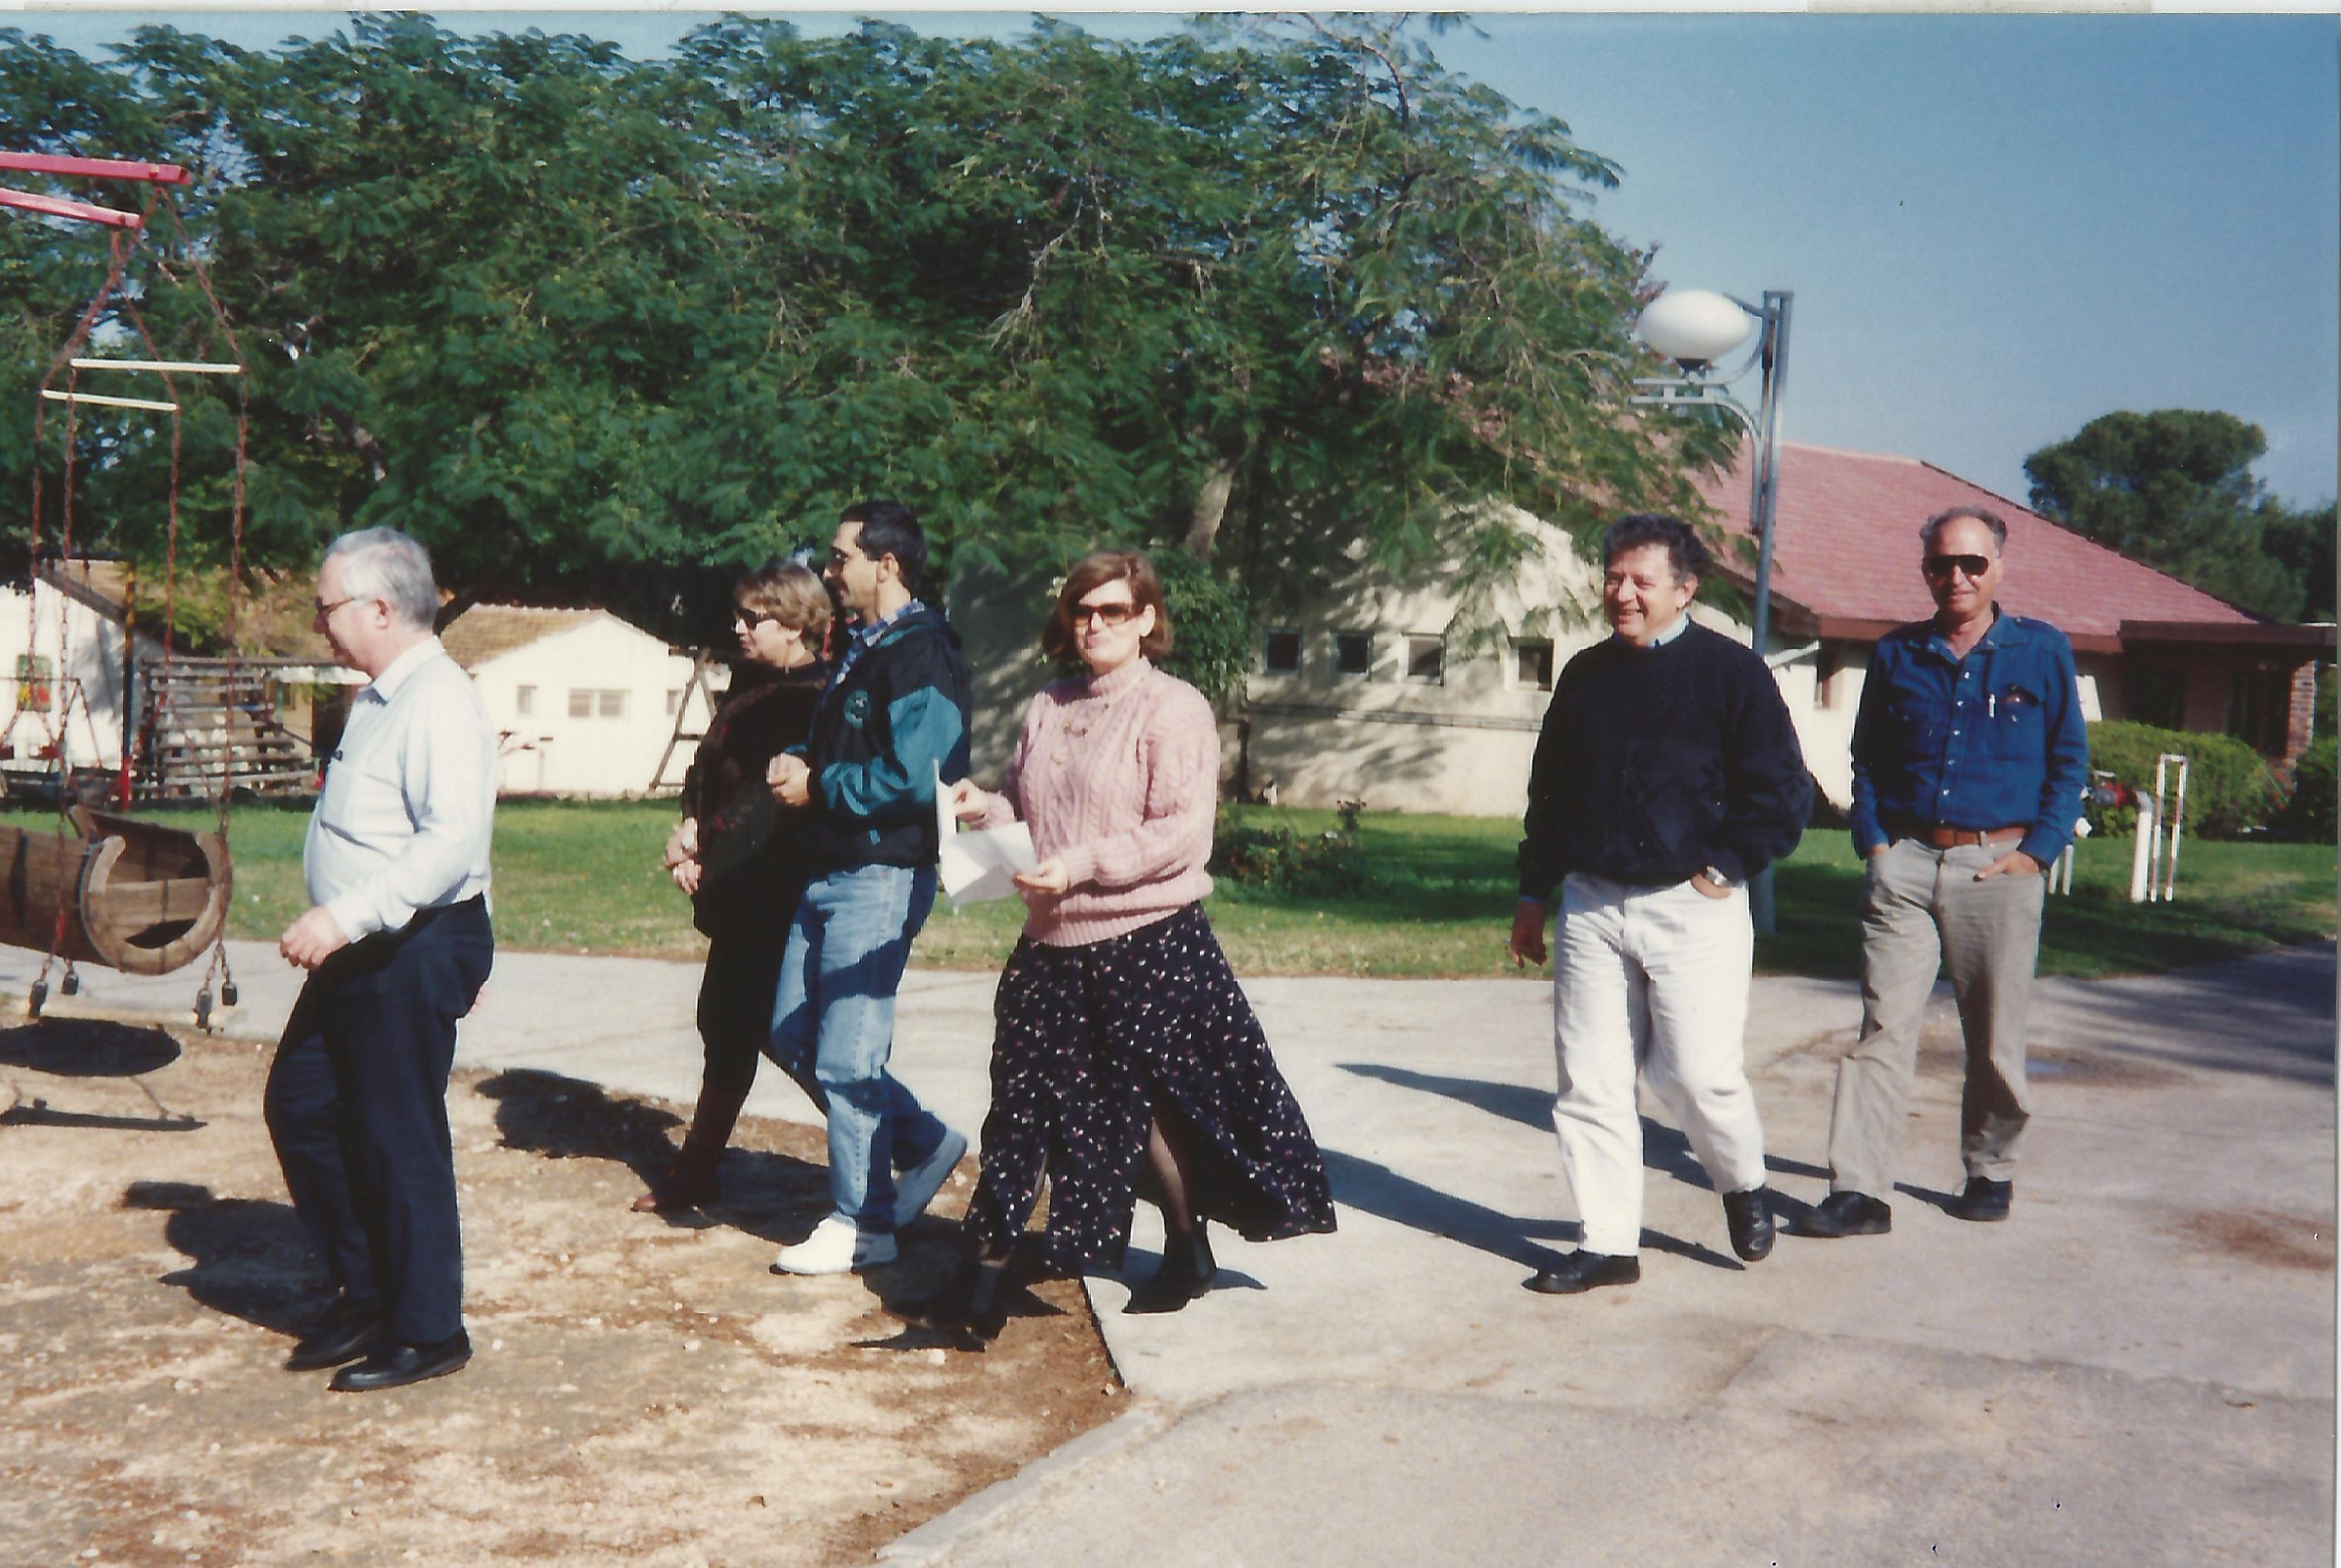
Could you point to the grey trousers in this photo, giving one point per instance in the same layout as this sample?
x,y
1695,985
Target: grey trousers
x,y
1921,910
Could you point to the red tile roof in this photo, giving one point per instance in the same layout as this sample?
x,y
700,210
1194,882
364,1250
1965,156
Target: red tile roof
x,y
1845,547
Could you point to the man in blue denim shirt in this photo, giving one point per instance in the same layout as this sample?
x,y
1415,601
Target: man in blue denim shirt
x,y
1969,757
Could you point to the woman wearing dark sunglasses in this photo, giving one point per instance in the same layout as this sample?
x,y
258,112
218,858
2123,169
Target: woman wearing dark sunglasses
x,y
732,856
1123,1046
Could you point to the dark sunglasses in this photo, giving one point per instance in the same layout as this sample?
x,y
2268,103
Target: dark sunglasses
x,y
1110,614
1973,565
751,619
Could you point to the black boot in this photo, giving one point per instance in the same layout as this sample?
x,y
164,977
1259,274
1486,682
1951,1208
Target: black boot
x,y
1187,1272
973,1308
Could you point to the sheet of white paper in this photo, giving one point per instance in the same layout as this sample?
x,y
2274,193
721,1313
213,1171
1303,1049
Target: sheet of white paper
x,y
978,863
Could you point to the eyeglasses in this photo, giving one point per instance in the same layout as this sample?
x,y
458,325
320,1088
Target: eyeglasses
x,y
749,620
1975,566
325,611
1105,614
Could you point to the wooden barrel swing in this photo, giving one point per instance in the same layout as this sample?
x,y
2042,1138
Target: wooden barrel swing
x,y
133,895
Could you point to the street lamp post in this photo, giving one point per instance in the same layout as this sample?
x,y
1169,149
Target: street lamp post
x,y
1695,328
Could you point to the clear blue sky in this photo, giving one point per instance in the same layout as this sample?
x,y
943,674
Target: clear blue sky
x,y
1996,227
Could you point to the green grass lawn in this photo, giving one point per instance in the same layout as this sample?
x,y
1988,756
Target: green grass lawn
x,y
584,877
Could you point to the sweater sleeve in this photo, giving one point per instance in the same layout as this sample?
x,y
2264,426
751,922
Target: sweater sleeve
x,y
1179,753
1542,863
1767,791
1006,804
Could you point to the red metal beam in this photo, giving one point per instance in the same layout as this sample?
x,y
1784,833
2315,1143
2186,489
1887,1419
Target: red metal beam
x,y
94,168
57,207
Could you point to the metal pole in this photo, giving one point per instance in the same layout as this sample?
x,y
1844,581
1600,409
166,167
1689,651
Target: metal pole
x,y
1763,503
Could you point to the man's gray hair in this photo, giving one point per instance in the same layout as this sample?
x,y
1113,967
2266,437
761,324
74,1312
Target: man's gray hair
x,y
385,565
1989,519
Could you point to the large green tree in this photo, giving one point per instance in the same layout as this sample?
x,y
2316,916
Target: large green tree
x,y
2175,489
1278,294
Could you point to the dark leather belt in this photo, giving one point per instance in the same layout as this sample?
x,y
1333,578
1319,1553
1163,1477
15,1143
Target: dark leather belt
x,y
1958,838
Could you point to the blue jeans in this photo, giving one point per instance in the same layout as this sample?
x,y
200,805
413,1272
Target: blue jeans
x,y
833,1028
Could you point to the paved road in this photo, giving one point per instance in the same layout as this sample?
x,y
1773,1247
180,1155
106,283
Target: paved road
x,y
2138,1367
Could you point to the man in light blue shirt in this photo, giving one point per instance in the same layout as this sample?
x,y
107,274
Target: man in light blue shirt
x,y
397,945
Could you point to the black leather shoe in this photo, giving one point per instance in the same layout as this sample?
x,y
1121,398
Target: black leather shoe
x,y
1845,1214
335,1343
1187,1272
1582,1271
396,1365
1748,1215
1984,1200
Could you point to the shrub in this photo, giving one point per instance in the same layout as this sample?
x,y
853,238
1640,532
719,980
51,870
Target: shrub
x,y
1211,623
1285,859
2313,811
2229,790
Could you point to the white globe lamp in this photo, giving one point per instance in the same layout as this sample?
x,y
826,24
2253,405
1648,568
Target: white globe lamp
x,y
1695,327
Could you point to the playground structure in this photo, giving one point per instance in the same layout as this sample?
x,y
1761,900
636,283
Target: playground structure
x,y
136,896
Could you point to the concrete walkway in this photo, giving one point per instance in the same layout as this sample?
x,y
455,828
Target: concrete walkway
x,y
2138,1367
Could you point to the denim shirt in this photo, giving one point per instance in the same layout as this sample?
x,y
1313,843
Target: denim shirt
x,y
1994,739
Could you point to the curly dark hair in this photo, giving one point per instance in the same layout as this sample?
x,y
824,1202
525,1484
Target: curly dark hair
x,y
1687,553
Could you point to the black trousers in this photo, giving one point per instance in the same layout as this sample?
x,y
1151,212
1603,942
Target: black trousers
x,y
735,1000
356,1105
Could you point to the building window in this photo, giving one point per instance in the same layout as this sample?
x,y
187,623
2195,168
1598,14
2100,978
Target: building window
x,y
1426,660
1825,672
1533,663
581,703
2156,696
674,702
585,702
613,705
2260,707
523,699
1353,652
1280,654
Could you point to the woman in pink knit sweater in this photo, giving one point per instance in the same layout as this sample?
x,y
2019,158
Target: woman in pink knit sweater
x,y
1123,1045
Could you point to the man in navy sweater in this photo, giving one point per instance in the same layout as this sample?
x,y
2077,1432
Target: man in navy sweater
x,y
1667,773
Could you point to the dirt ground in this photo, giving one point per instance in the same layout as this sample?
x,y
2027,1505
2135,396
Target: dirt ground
x,y
642,1391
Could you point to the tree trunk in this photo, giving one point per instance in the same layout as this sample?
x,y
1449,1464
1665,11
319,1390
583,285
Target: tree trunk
x,y
1212,506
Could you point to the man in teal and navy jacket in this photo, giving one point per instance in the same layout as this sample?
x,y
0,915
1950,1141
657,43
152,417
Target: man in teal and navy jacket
x,y
895,714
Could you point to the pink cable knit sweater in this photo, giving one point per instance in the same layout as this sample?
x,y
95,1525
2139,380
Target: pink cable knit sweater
x,y
1119,776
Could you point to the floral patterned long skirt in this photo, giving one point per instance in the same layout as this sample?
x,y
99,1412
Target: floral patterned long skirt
x,y
1095,1041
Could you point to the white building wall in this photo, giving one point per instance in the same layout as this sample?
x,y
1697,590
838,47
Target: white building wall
x,y
551,750
77,643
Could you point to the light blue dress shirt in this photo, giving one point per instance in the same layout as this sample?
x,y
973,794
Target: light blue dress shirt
x,y
405,818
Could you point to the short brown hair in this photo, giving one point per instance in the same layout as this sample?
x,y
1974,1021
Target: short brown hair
x,y
794,595
1094,570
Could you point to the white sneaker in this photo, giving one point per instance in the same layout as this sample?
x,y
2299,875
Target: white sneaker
x,y
915,1188
835,1247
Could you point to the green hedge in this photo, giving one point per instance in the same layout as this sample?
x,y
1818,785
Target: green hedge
x,y
2313,811
2230,790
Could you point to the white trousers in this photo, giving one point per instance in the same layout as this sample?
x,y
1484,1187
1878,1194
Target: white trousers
x,y
1653,979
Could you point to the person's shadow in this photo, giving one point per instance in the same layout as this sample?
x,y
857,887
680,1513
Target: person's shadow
x,y
250,1259
1379,1190
775,1198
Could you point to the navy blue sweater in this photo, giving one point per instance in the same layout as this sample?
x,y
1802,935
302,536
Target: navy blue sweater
x,y
1658,763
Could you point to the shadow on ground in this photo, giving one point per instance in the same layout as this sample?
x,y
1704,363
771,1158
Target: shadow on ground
x,y
767,1194
250,1259
88,1048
